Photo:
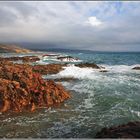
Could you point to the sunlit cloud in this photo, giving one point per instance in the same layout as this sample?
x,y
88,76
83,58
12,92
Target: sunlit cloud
x,y
94,21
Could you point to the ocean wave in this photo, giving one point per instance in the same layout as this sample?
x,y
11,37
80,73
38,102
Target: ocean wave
x,y
76,72
120,68
90,73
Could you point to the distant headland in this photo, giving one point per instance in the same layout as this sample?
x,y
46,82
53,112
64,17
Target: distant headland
x,y
12,48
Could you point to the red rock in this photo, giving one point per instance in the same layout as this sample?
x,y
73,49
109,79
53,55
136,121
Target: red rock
x,y
24,58
23,89
48,69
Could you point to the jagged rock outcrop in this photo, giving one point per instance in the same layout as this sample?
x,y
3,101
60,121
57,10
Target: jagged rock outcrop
x,y
42,69
129,130
68,58
23,59
22,89
48,69
84,65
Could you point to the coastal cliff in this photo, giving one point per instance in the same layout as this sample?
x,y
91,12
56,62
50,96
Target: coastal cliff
x,y
11,48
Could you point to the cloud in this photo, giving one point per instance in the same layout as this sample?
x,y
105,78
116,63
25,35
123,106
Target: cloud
x,y
94,21
9,18
62,23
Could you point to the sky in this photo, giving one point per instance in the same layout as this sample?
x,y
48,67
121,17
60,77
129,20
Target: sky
x,y
90,25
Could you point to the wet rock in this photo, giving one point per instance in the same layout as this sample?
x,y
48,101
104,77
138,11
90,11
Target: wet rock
x,y
129,130
102,67
24,58
103,71
136,68
91,65
42,69
48,69
68,58
23,89
68,79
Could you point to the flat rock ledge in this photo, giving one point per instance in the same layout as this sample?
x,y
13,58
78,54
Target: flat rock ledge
x,y
42,69
129,130
48,69
22,89
24,59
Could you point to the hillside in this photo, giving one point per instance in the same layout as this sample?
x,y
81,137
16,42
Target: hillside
x,y
10,48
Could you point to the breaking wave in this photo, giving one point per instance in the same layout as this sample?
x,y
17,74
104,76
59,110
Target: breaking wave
x,y
90,73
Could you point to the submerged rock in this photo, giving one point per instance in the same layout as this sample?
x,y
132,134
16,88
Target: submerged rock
x,y
129,130
83,65
136,68
22,89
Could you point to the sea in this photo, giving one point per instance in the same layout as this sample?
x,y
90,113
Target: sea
x,y
99,99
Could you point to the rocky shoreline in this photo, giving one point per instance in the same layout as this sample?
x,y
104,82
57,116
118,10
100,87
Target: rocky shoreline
x,y
22,88
24,59
48,69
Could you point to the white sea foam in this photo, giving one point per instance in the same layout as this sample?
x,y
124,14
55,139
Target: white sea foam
x,y
120,68
73,71
136,112
41,62
90,73
88,102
